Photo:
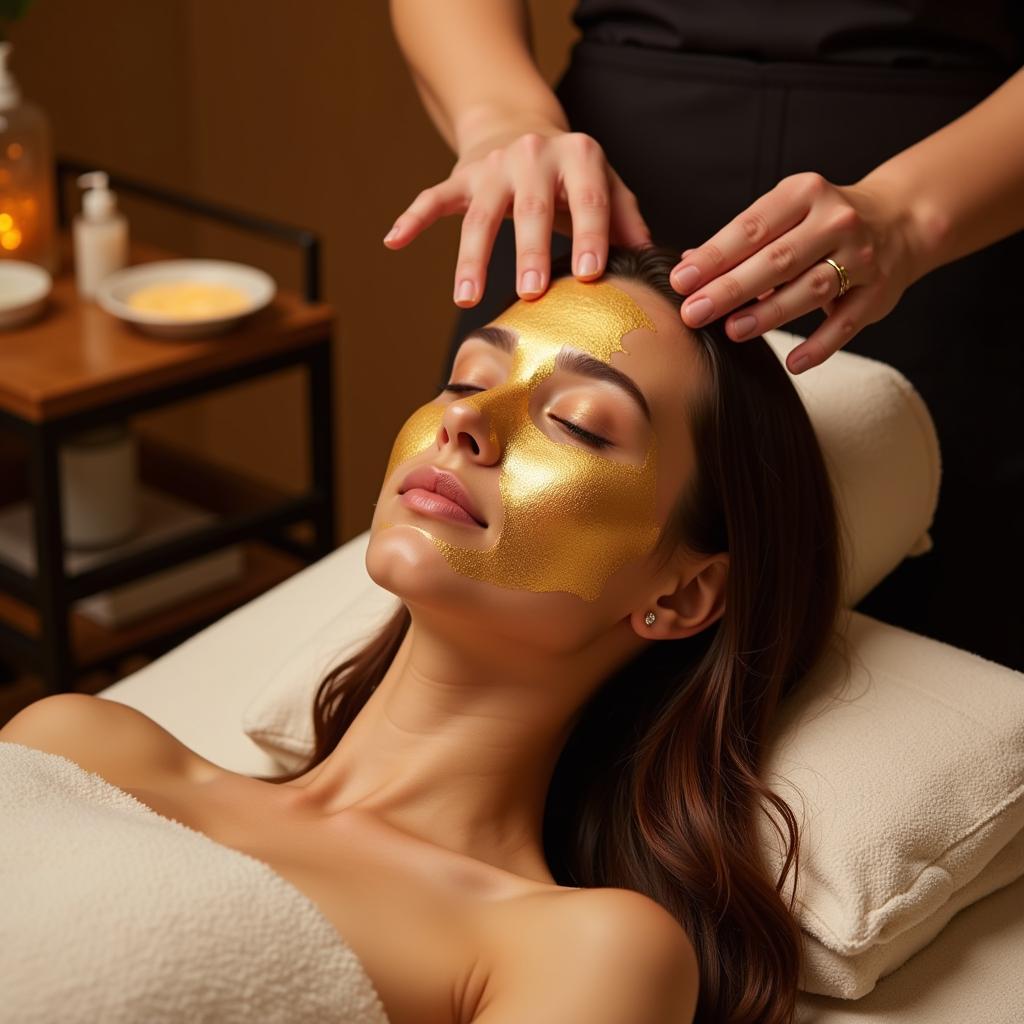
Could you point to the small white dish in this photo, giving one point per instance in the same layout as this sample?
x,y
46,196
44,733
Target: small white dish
x,y
24,288
114,293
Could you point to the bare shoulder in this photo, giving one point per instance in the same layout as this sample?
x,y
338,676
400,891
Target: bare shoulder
x,y
103,736
604,956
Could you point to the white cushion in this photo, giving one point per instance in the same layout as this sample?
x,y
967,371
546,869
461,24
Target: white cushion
x,y
350,607
882,451
907,779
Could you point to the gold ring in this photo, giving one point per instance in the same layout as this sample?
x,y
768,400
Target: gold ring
x,y
844,280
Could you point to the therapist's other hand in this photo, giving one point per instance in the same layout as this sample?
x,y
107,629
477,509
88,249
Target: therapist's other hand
x,y
775,252
550,180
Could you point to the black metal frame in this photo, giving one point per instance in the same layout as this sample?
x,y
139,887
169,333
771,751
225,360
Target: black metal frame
x,y
51,590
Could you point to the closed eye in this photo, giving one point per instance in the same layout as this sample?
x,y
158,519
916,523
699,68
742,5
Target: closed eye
x,y
585,435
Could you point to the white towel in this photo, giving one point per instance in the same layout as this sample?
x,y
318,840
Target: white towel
x,y
111,912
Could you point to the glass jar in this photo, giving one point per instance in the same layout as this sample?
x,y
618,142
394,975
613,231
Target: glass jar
x,y
27,214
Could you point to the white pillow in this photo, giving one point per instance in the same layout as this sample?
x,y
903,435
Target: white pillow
x,y
342,611
907,780
882,452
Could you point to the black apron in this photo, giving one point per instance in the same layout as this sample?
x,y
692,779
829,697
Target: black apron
x,y
699,136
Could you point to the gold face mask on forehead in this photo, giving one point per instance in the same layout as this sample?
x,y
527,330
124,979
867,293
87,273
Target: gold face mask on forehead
x,y
572,515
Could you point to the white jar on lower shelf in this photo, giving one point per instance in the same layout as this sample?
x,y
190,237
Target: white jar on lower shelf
x,y
99,487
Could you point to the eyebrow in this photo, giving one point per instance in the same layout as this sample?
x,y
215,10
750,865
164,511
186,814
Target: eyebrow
x,y
569,359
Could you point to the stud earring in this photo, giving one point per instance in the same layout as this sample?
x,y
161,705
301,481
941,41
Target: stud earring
x,y
649,618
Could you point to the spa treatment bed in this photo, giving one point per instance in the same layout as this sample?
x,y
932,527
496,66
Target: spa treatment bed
x,y
905,772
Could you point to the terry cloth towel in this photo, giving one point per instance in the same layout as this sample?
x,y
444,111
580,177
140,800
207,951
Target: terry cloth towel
x,y
111,912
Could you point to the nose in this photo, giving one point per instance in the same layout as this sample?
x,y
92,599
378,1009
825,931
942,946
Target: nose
x,y
467,426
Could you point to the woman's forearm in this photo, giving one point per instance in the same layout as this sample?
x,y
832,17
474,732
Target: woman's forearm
x,y
473,69
964,184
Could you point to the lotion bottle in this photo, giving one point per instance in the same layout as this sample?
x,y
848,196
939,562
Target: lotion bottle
x,y
100,234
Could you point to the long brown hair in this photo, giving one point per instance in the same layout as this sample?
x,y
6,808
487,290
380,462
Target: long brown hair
x,y
657,788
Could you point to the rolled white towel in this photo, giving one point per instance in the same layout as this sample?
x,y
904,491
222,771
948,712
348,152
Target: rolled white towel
x,y
882,451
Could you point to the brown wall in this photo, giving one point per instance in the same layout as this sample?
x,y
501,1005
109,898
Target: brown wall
x,y
303,112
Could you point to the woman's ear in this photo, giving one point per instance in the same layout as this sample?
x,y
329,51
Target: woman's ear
x,y
688,601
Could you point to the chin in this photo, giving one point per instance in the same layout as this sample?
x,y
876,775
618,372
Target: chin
x,y
408,564
404,561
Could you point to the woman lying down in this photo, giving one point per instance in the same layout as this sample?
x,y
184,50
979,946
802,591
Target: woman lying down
x,y
535,792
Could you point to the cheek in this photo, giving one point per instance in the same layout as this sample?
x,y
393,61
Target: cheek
x,y
417,434
572,518
574,487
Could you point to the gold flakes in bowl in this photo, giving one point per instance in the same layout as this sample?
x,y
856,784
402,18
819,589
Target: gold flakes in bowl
x,y
189,299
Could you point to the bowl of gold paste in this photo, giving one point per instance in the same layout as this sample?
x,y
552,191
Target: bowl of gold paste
x,y
186,298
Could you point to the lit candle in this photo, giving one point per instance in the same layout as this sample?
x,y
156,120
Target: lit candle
x,y
26,176
13,224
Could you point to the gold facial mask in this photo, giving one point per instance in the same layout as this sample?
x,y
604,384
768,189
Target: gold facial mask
x,y
572,515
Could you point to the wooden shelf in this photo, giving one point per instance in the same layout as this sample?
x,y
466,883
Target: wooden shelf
x,y
192,478
76,356
91,642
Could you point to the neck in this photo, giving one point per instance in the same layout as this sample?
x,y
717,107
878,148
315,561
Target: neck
x,y
458,743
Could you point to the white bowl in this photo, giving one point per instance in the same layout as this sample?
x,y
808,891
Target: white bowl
x,y
115,290
23,291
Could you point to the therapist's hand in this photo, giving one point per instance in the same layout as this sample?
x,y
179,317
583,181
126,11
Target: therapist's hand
x,y
774,251
549,179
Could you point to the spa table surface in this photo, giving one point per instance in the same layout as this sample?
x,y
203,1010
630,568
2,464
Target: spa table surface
x,y
77,356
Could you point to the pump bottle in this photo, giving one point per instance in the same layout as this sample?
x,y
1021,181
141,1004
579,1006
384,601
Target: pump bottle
x,y
100,234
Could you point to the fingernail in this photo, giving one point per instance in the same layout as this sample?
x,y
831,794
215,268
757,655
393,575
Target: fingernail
x,y
801,363
530,282
392,234
744,325
586,265
466,292
697,312
686,279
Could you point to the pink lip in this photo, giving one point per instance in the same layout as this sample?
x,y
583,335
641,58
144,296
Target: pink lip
x,y
447,495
